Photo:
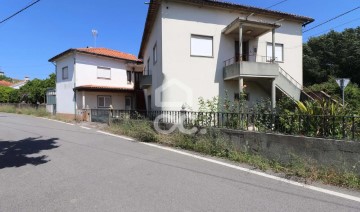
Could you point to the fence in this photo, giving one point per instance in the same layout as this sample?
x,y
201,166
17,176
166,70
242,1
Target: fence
x,y
332,127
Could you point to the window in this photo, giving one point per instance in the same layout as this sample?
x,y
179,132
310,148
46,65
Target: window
x,y
128,73
155,53
148,67
104,101
128,103
103,73
201,46
65,73
279,52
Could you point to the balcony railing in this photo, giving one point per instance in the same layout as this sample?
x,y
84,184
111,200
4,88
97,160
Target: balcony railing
x,y
248,58
238,67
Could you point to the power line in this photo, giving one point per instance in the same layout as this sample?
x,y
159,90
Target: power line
x,y
336,17
276,4
8,18
343,24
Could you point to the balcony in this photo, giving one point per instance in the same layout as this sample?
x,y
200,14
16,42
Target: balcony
x,y
247,66
146,81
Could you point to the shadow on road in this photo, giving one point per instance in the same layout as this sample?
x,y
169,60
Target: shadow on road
x,y
17,153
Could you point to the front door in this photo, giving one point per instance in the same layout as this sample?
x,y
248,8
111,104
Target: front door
x,y
137,77
245,51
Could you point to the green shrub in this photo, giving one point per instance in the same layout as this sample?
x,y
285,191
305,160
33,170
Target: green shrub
x,y
141,130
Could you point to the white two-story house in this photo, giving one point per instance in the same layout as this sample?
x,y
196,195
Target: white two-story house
x,y
202,48
96,78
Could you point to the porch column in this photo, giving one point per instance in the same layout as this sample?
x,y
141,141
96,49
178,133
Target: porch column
x,y
241,86
83,100
273,45
273,94
240,42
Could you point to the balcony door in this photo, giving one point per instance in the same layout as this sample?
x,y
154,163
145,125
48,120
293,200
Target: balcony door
x,y
245,49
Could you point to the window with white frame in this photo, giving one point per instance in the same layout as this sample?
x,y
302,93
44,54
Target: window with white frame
x,y
103,73
155,53
65,73
104,101
279,52
201,46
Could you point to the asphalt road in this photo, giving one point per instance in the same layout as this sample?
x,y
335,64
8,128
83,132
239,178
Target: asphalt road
x,y
51,166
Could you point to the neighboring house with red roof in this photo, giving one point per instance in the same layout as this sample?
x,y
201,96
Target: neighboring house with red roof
x,y
5,83
20,83
96,78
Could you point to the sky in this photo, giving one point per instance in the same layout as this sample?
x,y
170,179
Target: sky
x,y
50,27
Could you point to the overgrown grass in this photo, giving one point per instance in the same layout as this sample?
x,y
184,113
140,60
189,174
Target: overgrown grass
x,y
215,143
40,112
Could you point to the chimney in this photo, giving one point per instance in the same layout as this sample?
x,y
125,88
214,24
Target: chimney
x,y
27,79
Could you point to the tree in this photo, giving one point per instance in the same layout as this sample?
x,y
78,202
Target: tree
x,y
336,54
5,94
35,90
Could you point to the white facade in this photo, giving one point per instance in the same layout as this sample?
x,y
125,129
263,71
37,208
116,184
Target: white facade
x,y
176,24
86,82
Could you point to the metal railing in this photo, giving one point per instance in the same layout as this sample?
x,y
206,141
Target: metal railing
x,y
248,58
332,127
290,78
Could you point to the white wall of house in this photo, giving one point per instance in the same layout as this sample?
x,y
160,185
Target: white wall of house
x,y
87,71
64,87
204,75
83,70
155,68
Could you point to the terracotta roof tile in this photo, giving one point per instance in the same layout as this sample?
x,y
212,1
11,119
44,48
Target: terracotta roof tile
x,y
5,83
109,52
101,52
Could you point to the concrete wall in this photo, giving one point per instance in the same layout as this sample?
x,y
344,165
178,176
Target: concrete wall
x,y
204,76
341,155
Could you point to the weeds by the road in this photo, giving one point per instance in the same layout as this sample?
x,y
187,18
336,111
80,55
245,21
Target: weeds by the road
x,y
38,112
215,143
